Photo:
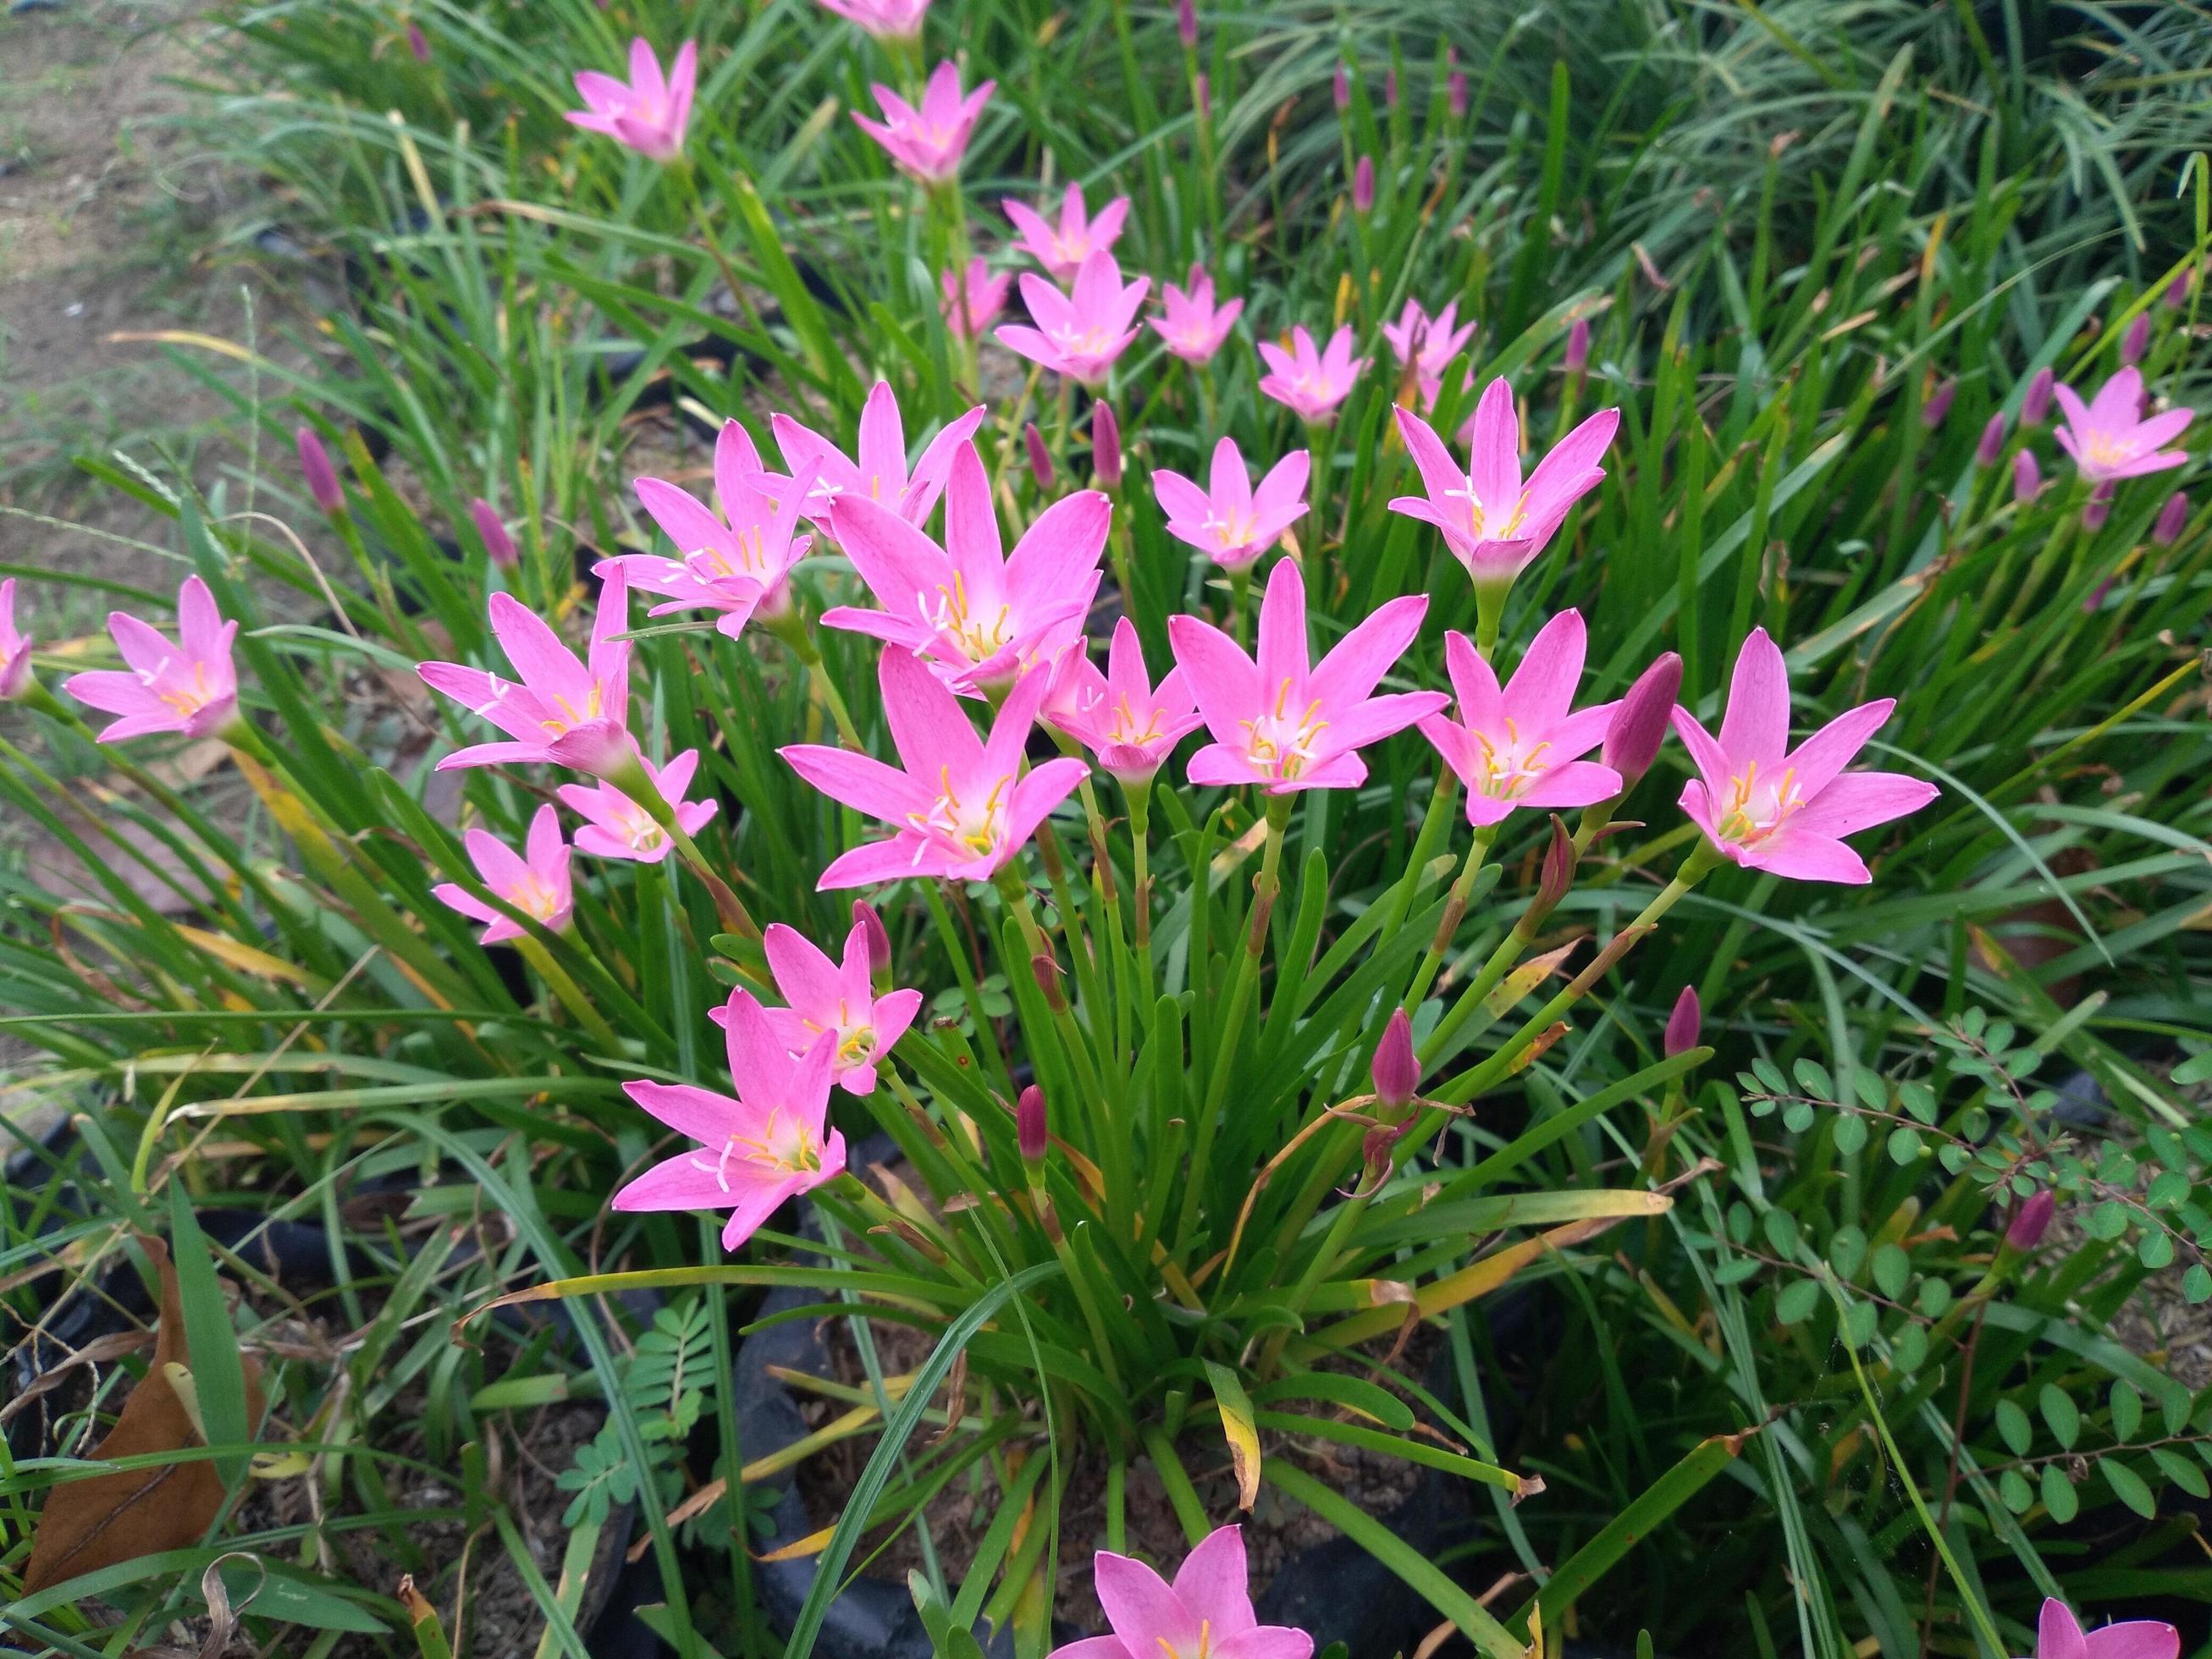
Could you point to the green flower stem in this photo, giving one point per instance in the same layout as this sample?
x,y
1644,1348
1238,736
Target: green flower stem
x,y
793,631
569,993
1139,797
1454,912
1230,1028
632,781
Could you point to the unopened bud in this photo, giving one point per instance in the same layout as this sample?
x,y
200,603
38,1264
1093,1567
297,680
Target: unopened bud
x,y
2176,292
497,543
2027,476
2098,508
1396,1073
1044,968
1639,724
2035,405
418,43
1938,404
1039,457
2171,518
1456,93
1579,346
1558,875
1340,89
1992,443
2136,341
321,477
1187,24
2031,1221
1105,445
877,937
1030,1125
1685,1024
1363,185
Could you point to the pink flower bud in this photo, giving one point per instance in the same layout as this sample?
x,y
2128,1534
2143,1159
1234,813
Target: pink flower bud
x,y
2035,406
2031,1221
2176,292
418,43
1938,404
1456,93
1187,24
1639,724
1577,345
1363,185
1339,88
1992,443
1397,1072
2027,476
2171,518
1030,1125
1039,457
1557,877
1390,88
2136,341
497,542
870,921
1685,1024
1105,445
322,477
2098,508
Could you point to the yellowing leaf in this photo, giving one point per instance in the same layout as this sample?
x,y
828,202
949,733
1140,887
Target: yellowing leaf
x,y
244,957
1237,1428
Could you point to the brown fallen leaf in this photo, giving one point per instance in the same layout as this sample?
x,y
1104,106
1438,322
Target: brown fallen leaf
x,y
106,1519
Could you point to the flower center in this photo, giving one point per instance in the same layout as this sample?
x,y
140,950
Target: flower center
x,y
971,828
1282,744
785,1146
977,639
1203,1651
594,704
187,697
2104,449
1506,526
1756,808
1230,530
1510,767
534,895
750,558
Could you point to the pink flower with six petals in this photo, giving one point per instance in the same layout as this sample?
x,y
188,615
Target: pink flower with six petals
x,y
1284,727
2059,1636
648,112
1191,323
1079,333
2108,437
1206,1613
616,827
929,142
835,1000
887,20
1118,715
1062,249
1311,383
535,881
1232,523
973,301
1522,746
961,806
769,1144
1766,806
190,686
880,473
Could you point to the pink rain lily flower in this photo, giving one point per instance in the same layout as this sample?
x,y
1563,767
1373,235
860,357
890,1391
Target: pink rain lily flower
x,y
737,561
1522,746
1062,249
534,881
1117,715
1285,726
880,473
649,112
15,648
1494,522
1206,1613
1079,333
2108,437
929,142
1308,382
2059,1636
887,20
1427,344
188,687
961,807
1766,806
836,999
769,1144
563,711
973,301
1231,523
1191,323
979,618
616,827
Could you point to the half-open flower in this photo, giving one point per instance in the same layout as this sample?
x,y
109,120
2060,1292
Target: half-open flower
x,y
836,999
1062,248
563,710
535,881
1231,523
979,618
648,112
2108,438
616,827
1118,715
960,806
1494,523
188,685
1309,381
1285,725
1523,745
769,1144
928,142
1081,332
737,562
1767,806
880,473
1206,1613
1191,323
